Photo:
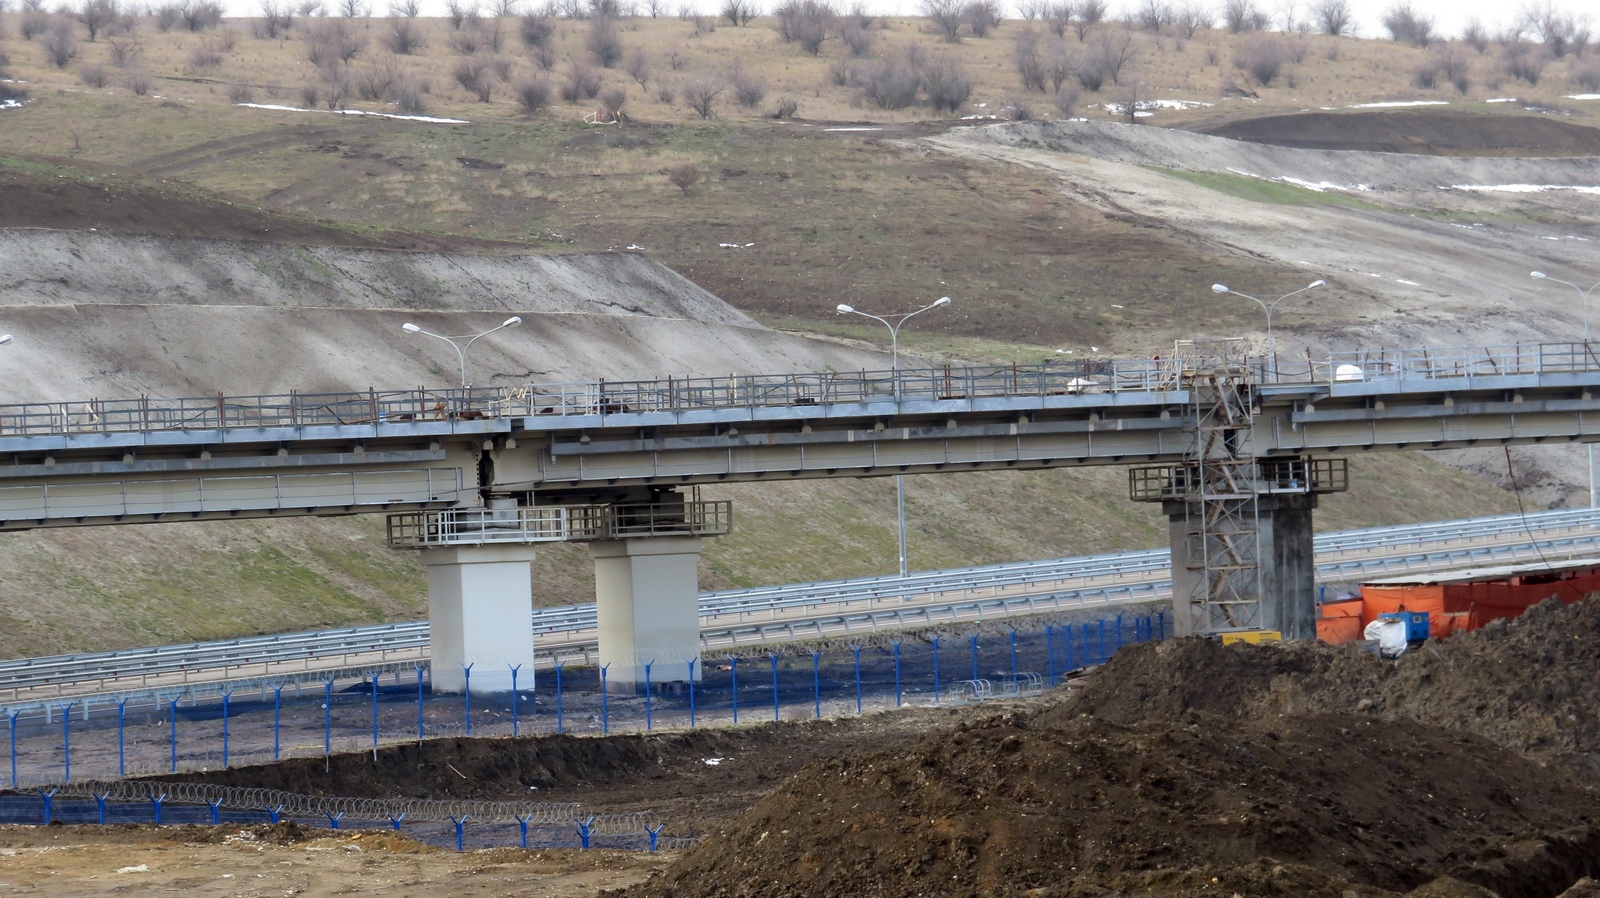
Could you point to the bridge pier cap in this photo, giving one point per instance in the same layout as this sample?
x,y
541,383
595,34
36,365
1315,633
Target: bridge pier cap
x,y
647,593
480,612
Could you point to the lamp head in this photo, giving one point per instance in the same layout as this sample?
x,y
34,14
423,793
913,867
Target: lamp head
x,y
942,301
1316,283
513,321
410,328
842,308
7,338
1220,288
1537,274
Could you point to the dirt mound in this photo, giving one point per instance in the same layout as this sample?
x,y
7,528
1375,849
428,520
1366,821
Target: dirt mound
x,y
1433,132
1015,803
1527,684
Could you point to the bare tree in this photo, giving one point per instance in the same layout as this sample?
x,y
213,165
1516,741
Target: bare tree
x,y
404,37
58,44
1060,66
891,83
503,9
1191,17
332,41
612,99
1154,15
1028,60
1334,17
379,76
475,77
604,42
806,22
856,39
1474,35
275,21
96,15
1058,17
1113,51
1089,14
1240,16
981,16
354,9
947,84
683,176
1262,59
1408,25
655,8
739,12
536,30
124,51
582,82
638,68
533,94
1066,101
198,15
1559,31
405,9
700,95
748,90
457,12
946,18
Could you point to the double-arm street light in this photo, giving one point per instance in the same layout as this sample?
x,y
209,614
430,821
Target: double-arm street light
x,y
461,348
1267,307
893,322
1594,484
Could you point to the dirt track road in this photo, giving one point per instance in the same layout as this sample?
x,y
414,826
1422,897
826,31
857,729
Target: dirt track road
x,y
198,862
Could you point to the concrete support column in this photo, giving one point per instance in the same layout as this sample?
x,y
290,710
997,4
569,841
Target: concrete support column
x,y
1287,565
480,612
647,601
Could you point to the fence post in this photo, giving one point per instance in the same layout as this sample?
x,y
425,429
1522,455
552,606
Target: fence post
x,y
327,716
936,670
559,728
155,804
897,674
375,675
333,819
655,834
522,823
274,814
585,828
1102,640
122,753
66,742
466,695
1119,633
395,821
514,698
1013,656
648,716
277,719
216,810
857,650
12,719
733,666
420,732
816,682
49,800
172,724
1050,652
100,802
1161,622
774,657
974,640
691,693
605,702
227,696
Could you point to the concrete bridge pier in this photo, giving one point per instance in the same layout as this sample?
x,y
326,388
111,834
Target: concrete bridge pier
x,y
1286,565
647,601
480,612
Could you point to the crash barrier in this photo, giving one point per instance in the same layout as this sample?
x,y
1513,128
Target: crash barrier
x,y
222,727
478,824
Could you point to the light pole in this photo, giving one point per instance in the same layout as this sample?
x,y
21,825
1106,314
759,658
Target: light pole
x,y
7,338
894,366
461,348
1272,354
1594,490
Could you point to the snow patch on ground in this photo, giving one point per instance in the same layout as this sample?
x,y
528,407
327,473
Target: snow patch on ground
x,y
1318,186
389,115
1522,188
1503,100
1581,97
1396,104
12,104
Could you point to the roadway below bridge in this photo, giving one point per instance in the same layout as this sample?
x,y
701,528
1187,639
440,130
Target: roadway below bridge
x,y
777,615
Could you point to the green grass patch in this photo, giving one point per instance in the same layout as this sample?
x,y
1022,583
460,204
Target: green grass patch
x,y
1263,191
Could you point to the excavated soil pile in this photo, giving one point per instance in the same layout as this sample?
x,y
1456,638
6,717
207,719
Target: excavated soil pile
x,y
1197,769
1527,684
1426,131
1015,804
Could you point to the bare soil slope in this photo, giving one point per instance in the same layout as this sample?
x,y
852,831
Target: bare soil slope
x,y
1429,131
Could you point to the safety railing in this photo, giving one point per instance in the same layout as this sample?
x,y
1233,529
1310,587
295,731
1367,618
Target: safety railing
x,y
1431,363
1325,474
476,526
689,518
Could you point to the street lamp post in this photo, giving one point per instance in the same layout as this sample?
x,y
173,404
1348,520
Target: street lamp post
x,y
894,367
1272,354
461,348
1594,482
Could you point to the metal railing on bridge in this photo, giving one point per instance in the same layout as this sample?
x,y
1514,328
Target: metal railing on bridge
x,y
578,523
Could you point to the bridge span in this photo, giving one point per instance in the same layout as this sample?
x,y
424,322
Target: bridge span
x,y
1235,448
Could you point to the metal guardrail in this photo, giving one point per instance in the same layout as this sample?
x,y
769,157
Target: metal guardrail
x,y
739,617
670,394
476,526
